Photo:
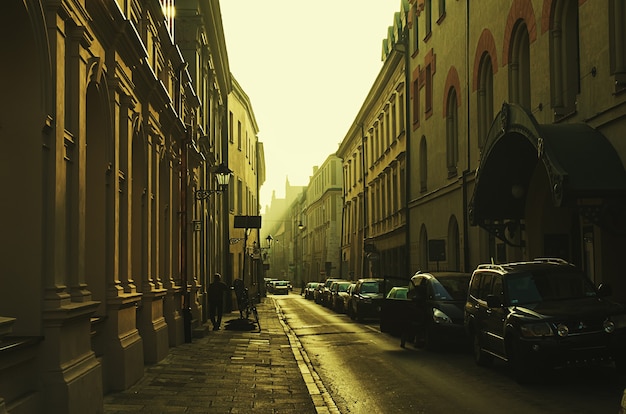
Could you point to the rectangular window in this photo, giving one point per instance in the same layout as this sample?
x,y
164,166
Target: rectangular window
x,y
239,135
428,93
231,135
388,137
231,198
416,102
416,34
401,112
394,122
239,196
428,16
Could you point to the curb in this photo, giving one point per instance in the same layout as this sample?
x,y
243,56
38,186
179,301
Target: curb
x,y
323,402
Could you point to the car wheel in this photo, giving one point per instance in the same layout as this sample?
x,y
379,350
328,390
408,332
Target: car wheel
x,y
359,315
480,357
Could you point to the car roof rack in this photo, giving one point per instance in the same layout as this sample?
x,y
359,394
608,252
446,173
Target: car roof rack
x,y
491,266
503,266
551,260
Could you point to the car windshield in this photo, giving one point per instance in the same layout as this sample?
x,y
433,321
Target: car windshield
x,y
370,287
450,288
343,286
282,283
545,286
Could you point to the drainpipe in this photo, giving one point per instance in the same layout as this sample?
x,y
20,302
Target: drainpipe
x,y
466,173
407,132
364,177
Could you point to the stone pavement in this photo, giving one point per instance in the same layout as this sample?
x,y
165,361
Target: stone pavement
x,y
231,371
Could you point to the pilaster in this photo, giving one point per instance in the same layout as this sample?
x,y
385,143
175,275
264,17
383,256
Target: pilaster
x,y
153,326
123,357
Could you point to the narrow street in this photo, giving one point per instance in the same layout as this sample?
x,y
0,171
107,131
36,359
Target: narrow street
x,y
366,371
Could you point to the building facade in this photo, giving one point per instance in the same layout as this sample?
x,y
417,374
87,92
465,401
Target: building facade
x,y
319,224
114,116
513,147
281,223
248,165
374,238
517,134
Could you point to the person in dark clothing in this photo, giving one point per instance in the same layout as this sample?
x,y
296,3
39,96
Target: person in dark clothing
x,y
239,288
216,292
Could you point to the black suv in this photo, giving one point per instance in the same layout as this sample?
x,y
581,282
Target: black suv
x,y
542,314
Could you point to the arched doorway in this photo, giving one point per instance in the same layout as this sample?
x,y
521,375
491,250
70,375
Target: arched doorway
x,y
24,161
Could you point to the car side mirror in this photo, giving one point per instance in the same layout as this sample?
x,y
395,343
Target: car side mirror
x,y
494,301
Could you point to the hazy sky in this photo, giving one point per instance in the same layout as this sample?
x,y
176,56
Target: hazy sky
x,y
307,67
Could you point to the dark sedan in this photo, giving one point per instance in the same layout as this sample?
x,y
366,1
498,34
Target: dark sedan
x,y
366,299
338,292
309,290
433,313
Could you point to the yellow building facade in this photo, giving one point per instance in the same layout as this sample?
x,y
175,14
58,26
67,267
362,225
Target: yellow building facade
x,y
113,117
246,159
514,143
374,154
517,144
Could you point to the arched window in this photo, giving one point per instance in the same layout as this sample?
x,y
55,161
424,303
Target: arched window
x,y
452,134
519,66
423,164
564,64
485,98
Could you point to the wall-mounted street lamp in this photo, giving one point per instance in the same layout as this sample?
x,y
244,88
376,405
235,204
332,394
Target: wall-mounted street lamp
x,y
222,175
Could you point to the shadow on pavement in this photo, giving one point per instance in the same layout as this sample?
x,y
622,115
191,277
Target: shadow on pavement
x,y
240,324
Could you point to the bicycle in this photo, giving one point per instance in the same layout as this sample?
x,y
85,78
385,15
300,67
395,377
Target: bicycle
x,y
249,307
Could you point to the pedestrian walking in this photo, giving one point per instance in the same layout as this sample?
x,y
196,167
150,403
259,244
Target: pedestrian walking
x,y
216,292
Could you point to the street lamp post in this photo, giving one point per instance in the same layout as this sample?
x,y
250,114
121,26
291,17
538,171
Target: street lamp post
x,y
222,175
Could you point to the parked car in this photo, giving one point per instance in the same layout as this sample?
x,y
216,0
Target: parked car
x,y
338,290
347,299
325,291
366,299
390,321
433,313
542,314
318,293
268,283
309,290
279,287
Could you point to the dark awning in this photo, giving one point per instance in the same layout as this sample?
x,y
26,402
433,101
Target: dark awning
x,y
580,163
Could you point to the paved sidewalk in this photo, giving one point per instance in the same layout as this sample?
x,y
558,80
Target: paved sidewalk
x,y
231,371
